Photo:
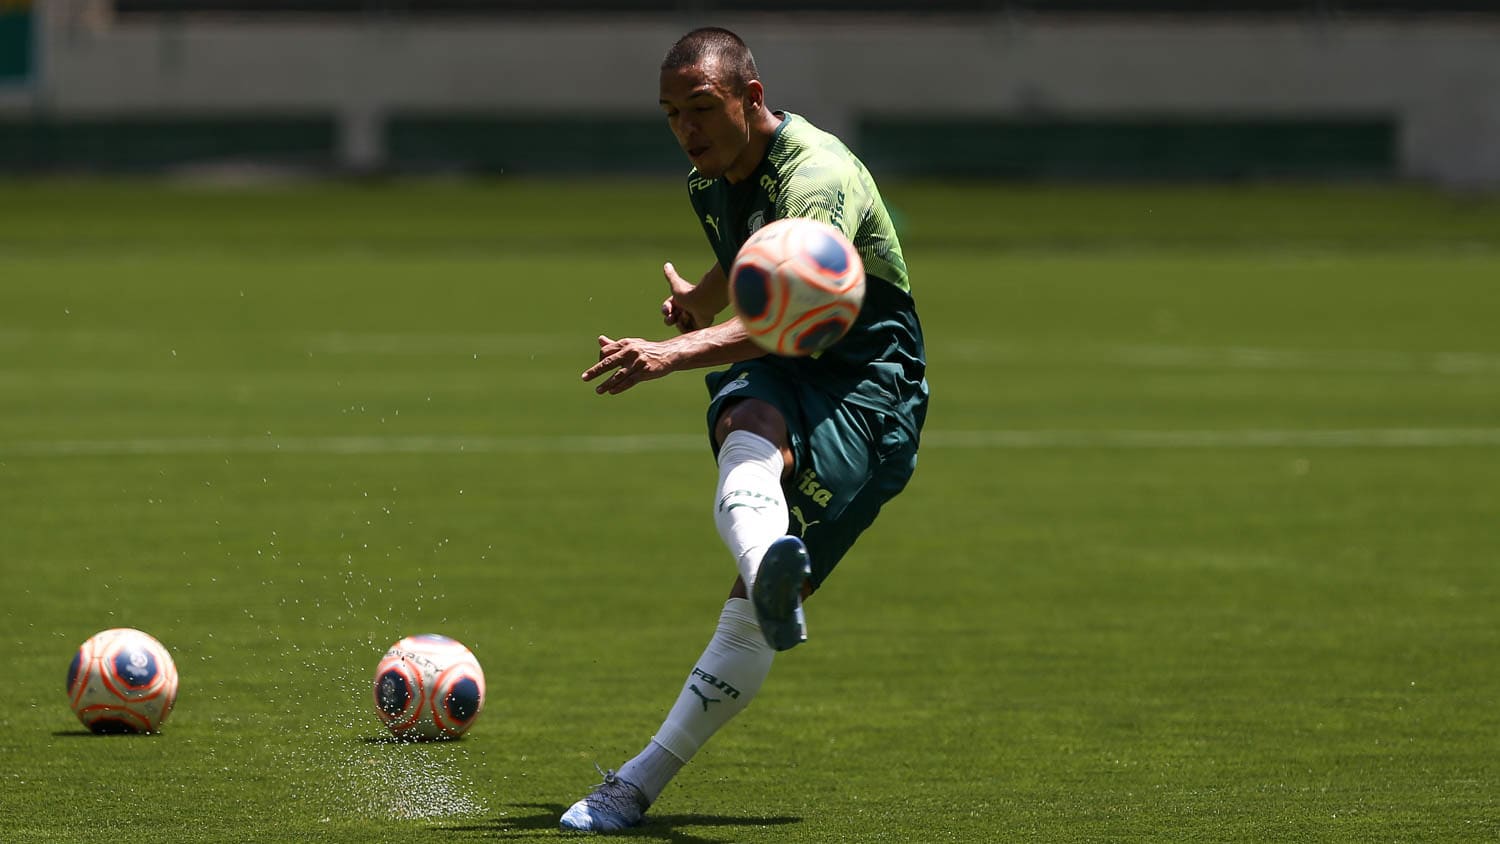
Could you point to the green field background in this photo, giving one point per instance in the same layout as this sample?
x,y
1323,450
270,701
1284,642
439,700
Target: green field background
x,y
1202,546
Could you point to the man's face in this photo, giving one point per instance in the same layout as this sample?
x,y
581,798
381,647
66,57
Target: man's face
x,y
711,122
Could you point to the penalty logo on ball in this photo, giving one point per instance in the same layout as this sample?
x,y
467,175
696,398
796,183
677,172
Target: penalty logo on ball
x,y
428,687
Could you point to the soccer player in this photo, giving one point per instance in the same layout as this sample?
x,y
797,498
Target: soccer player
x,y
808,448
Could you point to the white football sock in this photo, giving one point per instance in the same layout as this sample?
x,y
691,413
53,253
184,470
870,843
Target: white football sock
x,y
749,506
728,674
651,770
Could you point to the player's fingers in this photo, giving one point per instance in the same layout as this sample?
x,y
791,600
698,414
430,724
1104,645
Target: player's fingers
x,y
678,284
680,317
613,350
622,379
619,386
605,364
685,323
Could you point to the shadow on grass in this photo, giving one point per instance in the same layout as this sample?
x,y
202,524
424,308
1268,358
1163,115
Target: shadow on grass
x,y
533,818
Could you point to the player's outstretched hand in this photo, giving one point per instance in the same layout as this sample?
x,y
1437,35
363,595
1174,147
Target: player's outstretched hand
x,y
682,308
633,360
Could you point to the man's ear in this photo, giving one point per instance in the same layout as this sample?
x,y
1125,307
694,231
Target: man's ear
x,y
755,95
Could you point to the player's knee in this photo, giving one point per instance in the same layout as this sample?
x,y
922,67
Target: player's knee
x,y
755,416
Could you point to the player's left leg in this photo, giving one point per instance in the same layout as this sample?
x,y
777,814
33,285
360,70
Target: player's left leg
x,y
613,805
754,454
721,684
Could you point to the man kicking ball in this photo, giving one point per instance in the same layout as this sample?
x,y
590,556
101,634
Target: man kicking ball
x,y
808,449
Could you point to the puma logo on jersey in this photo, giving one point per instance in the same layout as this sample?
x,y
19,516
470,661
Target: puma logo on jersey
x,y
808,485
708,220
797,514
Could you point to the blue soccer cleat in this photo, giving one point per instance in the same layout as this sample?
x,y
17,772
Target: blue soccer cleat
x,y
613,805
777,593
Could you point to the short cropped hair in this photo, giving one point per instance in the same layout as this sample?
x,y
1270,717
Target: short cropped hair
x,y
712,42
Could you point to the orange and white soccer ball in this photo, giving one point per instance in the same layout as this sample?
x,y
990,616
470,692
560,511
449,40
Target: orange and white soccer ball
x,y
429,687
122,681
797,286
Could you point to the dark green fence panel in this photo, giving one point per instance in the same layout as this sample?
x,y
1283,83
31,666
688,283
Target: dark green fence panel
x,y
149,143
16,50
1146,148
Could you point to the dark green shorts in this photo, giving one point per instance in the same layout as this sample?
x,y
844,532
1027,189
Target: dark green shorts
x,y
850,460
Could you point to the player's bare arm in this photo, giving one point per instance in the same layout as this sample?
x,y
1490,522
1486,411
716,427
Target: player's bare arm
x,y
691,307
634,360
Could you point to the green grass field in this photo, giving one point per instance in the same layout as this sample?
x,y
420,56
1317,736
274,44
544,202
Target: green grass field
x,y
1204,544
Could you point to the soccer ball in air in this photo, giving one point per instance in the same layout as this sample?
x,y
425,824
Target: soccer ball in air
x,y
428,687
797,285
122,681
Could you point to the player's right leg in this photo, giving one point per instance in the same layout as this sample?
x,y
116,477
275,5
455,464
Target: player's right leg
x,y
784,577
750,511
754,457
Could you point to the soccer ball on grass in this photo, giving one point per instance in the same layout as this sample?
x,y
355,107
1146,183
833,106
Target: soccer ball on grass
x,y
428,687
122,681
797,286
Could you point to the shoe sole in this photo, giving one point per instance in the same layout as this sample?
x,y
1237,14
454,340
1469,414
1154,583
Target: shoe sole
x,y
777,594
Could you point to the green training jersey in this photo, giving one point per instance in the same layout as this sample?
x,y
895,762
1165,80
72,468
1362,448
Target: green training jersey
x,y
881,362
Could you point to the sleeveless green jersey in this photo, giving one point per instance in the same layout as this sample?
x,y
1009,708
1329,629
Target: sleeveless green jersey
x,y
881,362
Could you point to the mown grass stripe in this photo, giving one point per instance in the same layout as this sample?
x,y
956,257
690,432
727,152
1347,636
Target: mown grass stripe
x,y
651,443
